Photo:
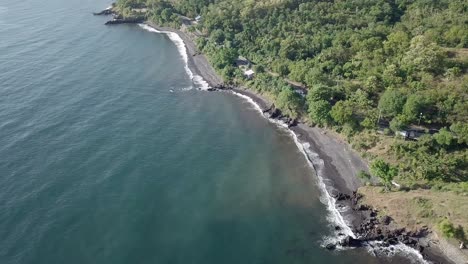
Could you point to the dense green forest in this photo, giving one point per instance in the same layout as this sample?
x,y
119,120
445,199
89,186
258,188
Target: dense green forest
x,y
371,68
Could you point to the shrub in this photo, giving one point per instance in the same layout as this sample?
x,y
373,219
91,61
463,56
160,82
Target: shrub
x,y
460,233
387,132
447,229
364,176
398,123
384,171
444,137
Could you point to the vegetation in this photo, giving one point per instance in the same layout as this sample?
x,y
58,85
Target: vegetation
x,y
444,213
384,171
364,176
369,66
449,231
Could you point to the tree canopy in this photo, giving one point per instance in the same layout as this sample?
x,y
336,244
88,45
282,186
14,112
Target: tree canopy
x,y
365,64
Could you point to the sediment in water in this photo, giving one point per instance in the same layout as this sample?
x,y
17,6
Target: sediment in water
x,y
206,79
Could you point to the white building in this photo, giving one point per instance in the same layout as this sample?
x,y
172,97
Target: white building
x,y
249,74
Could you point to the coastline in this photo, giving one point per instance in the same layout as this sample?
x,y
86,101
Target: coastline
x,y
342,163
197,63
334,162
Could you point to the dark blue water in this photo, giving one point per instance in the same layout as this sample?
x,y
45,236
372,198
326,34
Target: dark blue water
x,y
108,154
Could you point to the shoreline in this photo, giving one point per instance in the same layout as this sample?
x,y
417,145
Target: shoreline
x,y
327,156
333,161
197,63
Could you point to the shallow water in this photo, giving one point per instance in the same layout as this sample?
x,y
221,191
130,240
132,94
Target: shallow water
x,y
109,154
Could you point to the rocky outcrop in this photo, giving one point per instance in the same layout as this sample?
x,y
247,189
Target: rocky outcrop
x,y
221,87
108,11
104,12
116,21
275,113
373,228
118,18
271,112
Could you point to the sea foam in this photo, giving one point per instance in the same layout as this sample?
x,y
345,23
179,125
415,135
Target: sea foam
x,y
312,158
334,215
316,164
179,42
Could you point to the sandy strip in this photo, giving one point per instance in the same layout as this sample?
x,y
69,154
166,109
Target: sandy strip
x,y
340,164
198,64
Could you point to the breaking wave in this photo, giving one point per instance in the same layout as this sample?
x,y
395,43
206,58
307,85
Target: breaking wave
x,y
179,42
334,215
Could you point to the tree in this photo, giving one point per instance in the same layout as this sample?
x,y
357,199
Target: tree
x,y
281,68
373,84
298,71
371,119
319,112
391,102
166,14
289,102
360,100
461,130
360,54
288,49
398,123
444,137
413,107
397,42
224,57
217,36
392,75
423,55
342,112
319,92
259,69
384,171
315,76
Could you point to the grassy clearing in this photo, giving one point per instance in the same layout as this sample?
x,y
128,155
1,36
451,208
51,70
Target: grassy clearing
x,y
417,208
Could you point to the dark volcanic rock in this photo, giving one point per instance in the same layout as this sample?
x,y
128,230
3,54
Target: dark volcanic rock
x,y
275,113
117,21
342,196
330,246
370,227
351,242
386,219
420,248
362,207
292,122
104,12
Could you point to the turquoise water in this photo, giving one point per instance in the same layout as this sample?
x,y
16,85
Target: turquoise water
x,y
108,154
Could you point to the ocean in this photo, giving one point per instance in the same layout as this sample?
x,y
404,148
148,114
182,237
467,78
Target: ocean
x,y
110,153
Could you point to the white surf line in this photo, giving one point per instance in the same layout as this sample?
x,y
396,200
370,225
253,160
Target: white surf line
x,y
335,217
331,202
304,148
180,44
399,249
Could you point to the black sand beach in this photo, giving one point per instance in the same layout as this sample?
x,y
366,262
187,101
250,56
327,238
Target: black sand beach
x,y
339,165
